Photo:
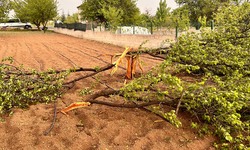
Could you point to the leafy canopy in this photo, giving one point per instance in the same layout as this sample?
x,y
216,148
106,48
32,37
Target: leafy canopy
x,y
75,16
198,8
122,11
162,12
35,11
181,18
72,19
63,17
112,14
5,7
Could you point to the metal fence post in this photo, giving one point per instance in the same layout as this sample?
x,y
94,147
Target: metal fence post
x,y
151,27
109,26
100,27
198,25
120,29
133,28
212,24
93,27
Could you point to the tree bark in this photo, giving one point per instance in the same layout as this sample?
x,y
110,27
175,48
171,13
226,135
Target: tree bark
x,y
129,72
38,27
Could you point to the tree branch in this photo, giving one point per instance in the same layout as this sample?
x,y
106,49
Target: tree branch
x,y
117,92
109,66
179,103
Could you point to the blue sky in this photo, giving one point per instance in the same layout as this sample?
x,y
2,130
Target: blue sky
x,y
70,5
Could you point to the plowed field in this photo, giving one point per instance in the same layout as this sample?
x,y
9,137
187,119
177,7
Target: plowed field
x,y
103,127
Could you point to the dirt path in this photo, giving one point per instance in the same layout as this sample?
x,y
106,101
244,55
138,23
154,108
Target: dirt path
x,y
102,127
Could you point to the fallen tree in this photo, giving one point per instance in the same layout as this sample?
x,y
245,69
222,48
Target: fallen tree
x,y
217,91
221,93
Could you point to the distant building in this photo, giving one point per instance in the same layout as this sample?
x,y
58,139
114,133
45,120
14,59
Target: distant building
x,y
79,17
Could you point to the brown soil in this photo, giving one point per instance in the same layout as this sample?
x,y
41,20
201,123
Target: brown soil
x,y
103,127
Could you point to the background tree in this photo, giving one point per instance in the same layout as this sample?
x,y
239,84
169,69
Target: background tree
x,y
69,19
57,18
36,11
131,12
72,19
198,8
92,10
162,12
112,14
75,16
5,6
148,11
146,17
180,18
63,18
48,11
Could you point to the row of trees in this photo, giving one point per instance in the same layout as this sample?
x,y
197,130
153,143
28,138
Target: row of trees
x,y
35,11
126,12
116,12
202,8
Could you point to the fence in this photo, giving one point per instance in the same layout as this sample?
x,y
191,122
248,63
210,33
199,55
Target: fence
x,y
75,26
197,25
143,28
148,28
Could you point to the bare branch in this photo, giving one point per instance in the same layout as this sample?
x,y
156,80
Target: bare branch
x,y
179,103
109,66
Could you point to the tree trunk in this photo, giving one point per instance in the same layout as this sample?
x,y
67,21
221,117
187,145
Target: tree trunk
x,y
38,27
44,26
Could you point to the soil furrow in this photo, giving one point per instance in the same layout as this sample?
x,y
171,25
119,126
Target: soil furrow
x,y
74,64
76,56
3,49
11,51
41,68
82,58
22,55
91,55
146,59
120,50
48,58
